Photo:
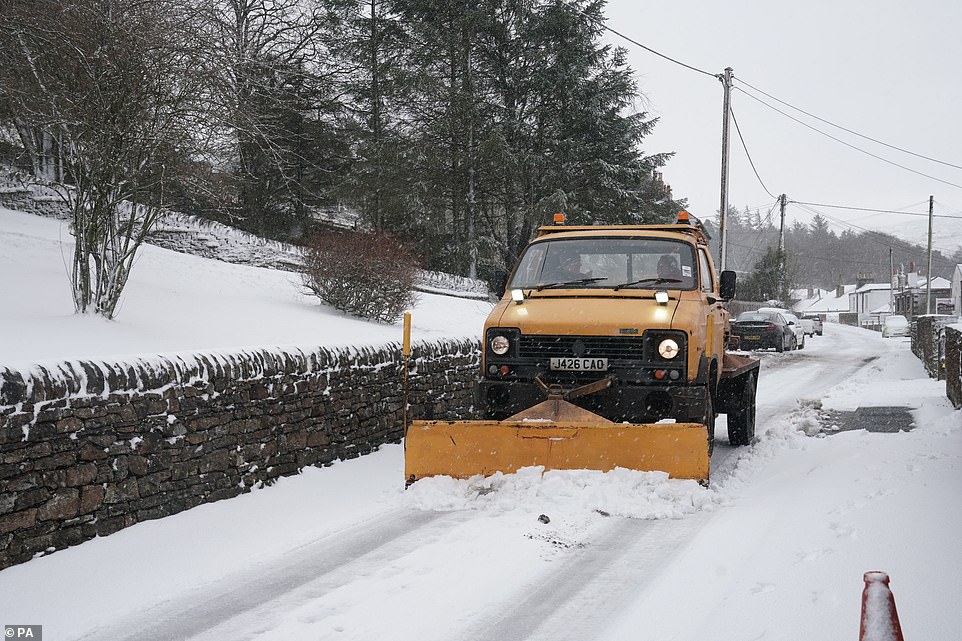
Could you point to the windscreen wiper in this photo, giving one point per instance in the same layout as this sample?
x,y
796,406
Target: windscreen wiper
x,y
647,281
580,281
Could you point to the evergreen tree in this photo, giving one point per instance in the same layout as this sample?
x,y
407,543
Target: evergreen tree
x,y
769,281
370,42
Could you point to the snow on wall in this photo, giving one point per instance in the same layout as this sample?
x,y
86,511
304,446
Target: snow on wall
x,y
89,448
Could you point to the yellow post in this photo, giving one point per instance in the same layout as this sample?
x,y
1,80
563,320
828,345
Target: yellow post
x,y
406,353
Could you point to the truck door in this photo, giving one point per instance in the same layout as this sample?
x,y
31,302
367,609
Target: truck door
x,y
716,314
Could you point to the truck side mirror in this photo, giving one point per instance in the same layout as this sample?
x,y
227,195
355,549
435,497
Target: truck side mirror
x,y
727,289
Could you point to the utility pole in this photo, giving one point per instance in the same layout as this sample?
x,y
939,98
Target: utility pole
x,y
783,200
928,269
891,283
726,81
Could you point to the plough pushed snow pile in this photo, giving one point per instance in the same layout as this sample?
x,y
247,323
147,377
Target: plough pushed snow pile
x,y
607,350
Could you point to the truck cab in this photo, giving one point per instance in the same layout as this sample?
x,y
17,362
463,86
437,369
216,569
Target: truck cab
x,y
634,312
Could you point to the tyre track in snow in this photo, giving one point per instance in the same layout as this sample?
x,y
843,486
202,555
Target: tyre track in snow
x,y
349,552
811,371
574,602
585,594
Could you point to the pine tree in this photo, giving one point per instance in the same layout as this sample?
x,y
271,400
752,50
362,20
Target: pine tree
x,y
369,39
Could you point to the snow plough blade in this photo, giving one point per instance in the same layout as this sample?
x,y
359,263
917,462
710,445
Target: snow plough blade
x,y
559,436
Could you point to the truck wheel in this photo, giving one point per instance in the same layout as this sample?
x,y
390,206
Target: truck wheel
x,y
741,423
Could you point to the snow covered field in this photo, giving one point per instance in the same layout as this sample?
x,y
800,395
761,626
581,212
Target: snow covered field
x,y
774,549
179,303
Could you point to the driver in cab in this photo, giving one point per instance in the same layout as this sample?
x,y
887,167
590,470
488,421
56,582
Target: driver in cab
x,y
669,271
568,268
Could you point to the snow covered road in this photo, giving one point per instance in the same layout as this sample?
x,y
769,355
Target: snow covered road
x,y
776,545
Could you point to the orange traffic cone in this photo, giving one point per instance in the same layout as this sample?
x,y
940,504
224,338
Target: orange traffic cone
x,y
880,621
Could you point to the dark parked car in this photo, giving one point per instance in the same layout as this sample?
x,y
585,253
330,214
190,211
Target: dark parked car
x,y
761,330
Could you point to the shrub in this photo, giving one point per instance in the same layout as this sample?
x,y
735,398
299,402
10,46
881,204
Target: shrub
x,y
370,275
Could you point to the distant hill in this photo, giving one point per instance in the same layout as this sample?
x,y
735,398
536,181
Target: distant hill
x,y
818,256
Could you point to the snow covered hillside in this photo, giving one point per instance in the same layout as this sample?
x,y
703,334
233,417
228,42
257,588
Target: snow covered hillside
x,y
177,302
946,228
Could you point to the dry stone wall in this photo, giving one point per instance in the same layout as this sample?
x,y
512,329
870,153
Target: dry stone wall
x,y
89,448
928,342
953,365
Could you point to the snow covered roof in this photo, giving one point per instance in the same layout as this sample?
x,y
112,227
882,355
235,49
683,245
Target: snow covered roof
x,y
805,301
829,302
867,287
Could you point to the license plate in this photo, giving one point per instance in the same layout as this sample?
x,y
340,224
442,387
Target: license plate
x,y
753,338
580,364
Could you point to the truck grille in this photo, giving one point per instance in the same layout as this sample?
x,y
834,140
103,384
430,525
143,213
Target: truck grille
x,y
611,347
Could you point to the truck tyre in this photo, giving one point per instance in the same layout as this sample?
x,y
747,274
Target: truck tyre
x,y
741,423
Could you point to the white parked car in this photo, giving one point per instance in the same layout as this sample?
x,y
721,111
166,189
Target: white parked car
x,y
796,325
793,322
816,324
895,325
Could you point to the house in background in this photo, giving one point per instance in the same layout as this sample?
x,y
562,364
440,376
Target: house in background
x,y
910,297
870,303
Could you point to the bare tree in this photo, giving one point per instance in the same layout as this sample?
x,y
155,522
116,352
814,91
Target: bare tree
x,y
265,55
118,84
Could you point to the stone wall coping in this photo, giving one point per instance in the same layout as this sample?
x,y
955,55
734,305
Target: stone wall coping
x,y
51,380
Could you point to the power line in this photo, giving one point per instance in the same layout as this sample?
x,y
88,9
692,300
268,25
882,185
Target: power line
x,y
855,133
842,222
873,233
649,49
847,144
941,204
879,211
604,26
838,259
745,147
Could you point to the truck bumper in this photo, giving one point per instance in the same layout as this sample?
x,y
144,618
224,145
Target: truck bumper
x,y
619,403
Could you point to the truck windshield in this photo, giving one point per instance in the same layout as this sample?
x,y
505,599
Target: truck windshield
x,y
607,263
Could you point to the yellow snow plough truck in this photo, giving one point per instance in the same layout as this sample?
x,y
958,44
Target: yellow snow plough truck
x,y
608,349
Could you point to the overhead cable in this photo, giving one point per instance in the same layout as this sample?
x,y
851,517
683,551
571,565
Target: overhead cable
x,y
649,49
872,232
745,147
854,133
847,144
878,211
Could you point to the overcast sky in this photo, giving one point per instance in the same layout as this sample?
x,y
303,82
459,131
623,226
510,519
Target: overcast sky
x,y
889,70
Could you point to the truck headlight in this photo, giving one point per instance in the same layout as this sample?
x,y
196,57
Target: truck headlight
x,y
500,345
668,349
